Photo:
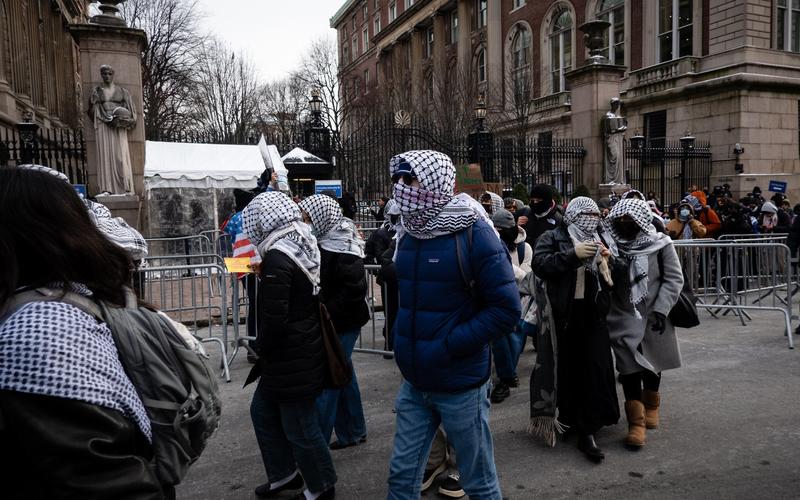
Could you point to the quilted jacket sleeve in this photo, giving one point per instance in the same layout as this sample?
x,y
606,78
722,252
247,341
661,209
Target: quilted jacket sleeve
x,y
274,292
498,295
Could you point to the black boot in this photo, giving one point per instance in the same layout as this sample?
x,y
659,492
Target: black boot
x,y
500,393
589,448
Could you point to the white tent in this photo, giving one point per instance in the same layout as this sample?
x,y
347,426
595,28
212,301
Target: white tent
x,y
186,165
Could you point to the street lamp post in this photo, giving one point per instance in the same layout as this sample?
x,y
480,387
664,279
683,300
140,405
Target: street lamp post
x,y
318,139
480,140
637,143
687,144
315,104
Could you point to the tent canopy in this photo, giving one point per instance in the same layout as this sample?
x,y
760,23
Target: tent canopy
x,y
186,165
301,163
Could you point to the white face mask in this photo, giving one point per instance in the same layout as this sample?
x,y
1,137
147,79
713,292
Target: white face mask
x,y
684,214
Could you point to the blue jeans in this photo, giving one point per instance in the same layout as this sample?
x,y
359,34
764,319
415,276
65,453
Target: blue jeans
x,y
289,438
506,351
465,418
341,409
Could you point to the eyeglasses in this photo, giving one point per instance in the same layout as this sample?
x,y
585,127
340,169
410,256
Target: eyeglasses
x,y
407,178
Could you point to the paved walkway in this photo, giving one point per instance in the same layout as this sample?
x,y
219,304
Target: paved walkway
x,y
730,429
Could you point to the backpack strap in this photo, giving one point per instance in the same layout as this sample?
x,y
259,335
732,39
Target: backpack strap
x,y
465,267
45,294
521,252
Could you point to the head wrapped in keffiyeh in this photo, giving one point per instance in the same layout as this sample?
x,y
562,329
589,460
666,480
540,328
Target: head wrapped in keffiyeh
x,y
273,221
431,209
335,232
583,215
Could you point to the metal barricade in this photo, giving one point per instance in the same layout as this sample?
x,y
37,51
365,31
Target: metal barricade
x,y
186,293
376,344
736,276
766,238
185,245
221,242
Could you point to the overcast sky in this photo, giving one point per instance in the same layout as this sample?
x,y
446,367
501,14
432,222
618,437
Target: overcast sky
x,y
273,33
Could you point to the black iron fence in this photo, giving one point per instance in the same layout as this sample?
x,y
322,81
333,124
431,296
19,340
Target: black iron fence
x,y
60,149
668,168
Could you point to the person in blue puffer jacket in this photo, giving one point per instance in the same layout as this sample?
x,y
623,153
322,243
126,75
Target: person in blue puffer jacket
x,y
444,326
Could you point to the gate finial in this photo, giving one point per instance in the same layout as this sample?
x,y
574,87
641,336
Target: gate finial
x,y
402,119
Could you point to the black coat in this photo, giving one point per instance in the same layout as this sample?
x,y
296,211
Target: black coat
x,y
289,341
56,448
538,226
344,290
377,243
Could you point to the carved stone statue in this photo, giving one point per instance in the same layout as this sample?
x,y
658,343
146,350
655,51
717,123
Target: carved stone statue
x,y
113,114
614,127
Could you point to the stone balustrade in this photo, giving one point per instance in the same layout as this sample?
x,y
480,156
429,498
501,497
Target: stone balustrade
x,y
664,76
551,102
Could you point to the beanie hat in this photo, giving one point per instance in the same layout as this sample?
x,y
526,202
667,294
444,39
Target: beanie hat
x,y
542,192
502,219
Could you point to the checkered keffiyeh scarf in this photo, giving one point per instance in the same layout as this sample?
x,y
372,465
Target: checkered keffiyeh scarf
x,y
335,232
432,209
637,251
497,202
273,221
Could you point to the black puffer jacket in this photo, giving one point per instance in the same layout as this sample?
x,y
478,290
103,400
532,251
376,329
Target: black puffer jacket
x,y
344,290
56,448
377,243
289,339
537,226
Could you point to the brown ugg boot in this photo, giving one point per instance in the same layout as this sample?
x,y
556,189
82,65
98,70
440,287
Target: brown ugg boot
x,y
634,410
651,400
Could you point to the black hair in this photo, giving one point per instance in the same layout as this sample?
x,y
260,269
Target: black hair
x,y
46,236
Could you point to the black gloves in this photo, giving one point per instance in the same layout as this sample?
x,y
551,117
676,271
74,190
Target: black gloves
x,y
660,324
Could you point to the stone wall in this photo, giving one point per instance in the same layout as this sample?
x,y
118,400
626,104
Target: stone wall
x,y
734,23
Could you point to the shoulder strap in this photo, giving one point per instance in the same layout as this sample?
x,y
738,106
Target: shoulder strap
x,y
20,299
466,270
521,252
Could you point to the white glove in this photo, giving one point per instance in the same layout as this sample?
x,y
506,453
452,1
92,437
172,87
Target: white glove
x,y
586,250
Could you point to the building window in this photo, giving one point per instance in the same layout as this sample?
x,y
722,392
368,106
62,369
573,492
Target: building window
x,y
517,4
392,11
613,11
365,40
453,27
410,3
377,27
521,64
354,46
674,29
481,69
788,21
354,22
377,2
429,43
561,49
482,9
366,80
344,54
365,11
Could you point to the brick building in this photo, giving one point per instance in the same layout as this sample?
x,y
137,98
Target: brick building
x,y
728,71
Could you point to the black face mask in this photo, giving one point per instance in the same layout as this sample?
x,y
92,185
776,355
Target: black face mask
x,y
508,235
487,207
541,206
626,229
394,219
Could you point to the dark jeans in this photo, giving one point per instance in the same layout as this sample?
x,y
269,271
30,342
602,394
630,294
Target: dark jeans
x,y
289,438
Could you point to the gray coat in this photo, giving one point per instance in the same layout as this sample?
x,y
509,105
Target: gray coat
x,y
659,351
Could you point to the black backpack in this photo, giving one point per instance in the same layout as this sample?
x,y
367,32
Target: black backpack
x,y
175,384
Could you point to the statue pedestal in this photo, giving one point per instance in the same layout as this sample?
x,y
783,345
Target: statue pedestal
x,y
121,48
127,206
591,88
606,190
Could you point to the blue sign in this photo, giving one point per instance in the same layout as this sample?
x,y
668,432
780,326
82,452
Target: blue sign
x,y
777,187
80,189
335,186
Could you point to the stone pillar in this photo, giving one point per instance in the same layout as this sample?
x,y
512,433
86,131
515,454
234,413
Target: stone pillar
x,y
591,88
494,54
121,48
417,42
464,40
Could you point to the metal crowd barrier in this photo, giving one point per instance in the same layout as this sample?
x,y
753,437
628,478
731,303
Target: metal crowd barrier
x,y
187,294
221,242
376,344
184,245
736,276
766,237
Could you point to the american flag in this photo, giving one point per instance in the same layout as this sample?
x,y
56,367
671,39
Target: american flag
x,y
243,248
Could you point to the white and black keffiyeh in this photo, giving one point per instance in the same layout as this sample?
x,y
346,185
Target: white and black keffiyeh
x,y
647,242
335,232
46,170
117,230
431,209
497,202
583,218
390,209
55,349
273,221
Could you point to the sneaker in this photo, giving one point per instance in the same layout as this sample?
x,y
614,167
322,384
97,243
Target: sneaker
x,y
500,393
329,494
430,476
338,445
511,382
264,491
451,486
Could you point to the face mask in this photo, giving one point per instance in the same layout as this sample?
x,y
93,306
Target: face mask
x,y
488,208
509,235
394,219
684,214
626,229
541,207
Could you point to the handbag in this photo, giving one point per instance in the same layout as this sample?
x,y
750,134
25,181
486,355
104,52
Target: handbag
x,y
684,312
338,372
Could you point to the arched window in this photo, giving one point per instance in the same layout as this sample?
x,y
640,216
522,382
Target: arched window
x,y
613,11
674,29
788,24
481,66
561,49
521,64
